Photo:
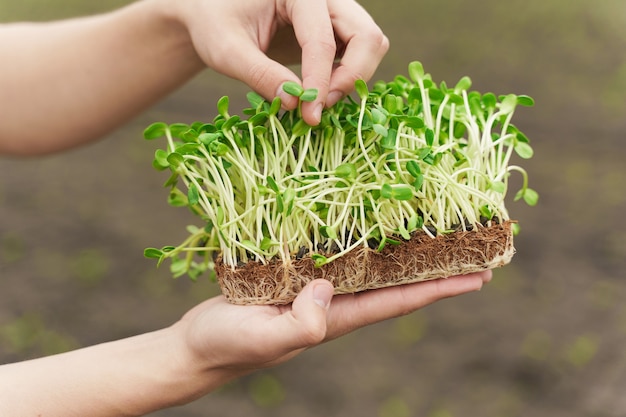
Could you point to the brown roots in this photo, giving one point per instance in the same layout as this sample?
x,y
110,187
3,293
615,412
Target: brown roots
x,y
419,259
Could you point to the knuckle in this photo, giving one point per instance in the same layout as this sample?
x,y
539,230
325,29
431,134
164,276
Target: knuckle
x,y
377,39
328,45
324,44
383,44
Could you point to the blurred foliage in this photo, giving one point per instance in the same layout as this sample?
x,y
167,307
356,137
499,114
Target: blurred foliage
x,y
440,412
37,10
29,336
582,350
394,407
537,345
11,248
408,330
90,266
266,390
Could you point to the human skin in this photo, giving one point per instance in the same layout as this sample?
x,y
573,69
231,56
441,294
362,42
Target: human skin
x,y
71,82
212,344
83,77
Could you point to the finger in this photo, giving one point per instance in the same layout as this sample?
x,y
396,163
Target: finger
x,y
365,45
305,324
350,312
250,65
314,32
486,276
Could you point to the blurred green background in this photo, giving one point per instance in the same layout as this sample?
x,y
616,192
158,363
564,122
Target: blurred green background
x,y
546,338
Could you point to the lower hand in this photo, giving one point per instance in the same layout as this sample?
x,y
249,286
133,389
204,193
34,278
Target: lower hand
x,y
242,339
234,37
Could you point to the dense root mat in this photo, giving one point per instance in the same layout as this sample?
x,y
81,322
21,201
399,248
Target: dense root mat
x,y
419,259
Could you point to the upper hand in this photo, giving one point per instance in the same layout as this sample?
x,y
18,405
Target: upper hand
x,y
233,37
245,338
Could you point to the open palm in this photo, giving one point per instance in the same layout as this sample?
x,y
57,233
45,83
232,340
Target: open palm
x,y
246,338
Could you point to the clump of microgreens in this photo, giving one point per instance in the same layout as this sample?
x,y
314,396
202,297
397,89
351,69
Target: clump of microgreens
x,y
408,155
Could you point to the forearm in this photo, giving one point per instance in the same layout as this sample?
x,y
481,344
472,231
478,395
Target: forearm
x,y
129,377
84,77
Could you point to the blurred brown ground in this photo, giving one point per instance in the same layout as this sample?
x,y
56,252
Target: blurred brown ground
x,y
546,338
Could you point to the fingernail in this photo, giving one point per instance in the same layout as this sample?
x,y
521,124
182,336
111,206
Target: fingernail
x,y
317,113
322,294
333,97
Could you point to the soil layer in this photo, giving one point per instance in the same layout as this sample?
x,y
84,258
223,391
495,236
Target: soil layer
x,y
419,259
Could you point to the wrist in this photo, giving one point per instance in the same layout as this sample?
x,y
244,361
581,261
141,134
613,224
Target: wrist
x,y
127,377
193,373
170,19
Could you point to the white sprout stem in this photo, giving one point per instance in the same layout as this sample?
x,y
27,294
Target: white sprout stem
x,y
312,206
360,139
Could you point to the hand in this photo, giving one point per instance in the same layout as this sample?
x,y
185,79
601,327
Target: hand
x,y
121,62
242,339
212,344
233,38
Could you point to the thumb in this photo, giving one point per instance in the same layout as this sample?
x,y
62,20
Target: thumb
x,y
320,291
305,324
